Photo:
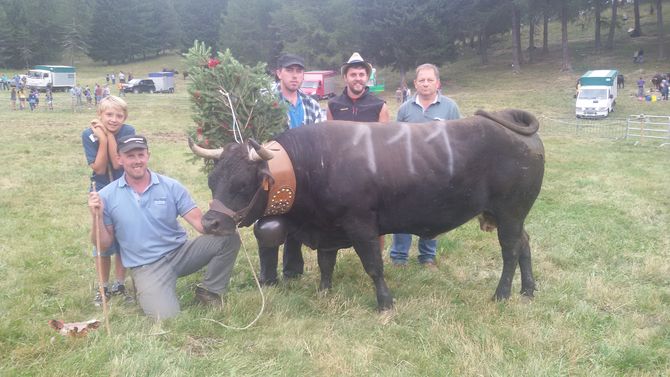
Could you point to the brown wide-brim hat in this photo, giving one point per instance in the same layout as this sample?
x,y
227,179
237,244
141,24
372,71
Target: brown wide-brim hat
x,y
356,61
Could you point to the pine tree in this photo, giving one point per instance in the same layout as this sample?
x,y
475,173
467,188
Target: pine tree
x,y
231,101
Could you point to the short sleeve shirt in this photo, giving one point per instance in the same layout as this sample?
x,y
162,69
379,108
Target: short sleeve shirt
x,y
146,225
91,144
443,108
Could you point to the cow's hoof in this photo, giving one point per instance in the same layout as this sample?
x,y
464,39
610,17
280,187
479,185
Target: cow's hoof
x,y
384,305
528,293
500,297
325,286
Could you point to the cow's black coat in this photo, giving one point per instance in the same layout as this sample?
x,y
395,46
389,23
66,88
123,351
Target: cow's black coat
x,y
357,181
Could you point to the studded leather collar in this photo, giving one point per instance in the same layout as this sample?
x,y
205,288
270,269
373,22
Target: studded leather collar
x,y
281,193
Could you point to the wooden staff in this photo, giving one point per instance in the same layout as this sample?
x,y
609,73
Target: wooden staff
x,y
98,261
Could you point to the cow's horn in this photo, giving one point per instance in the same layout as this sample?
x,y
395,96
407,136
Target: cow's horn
x,y
212,154
259,153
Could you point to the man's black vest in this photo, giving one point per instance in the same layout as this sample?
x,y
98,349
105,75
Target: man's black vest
x,y
364,109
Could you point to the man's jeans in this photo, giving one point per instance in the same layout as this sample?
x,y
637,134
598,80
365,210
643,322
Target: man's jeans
x,y
156,282
401,244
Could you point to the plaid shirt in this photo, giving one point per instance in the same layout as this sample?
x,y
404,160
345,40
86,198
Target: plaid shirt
x,y
310,106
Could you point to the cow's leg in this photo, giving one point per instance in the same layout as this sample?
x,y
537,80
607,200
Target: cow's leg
x,y
371,258
326,259
268,257
509,235
526,267
293,263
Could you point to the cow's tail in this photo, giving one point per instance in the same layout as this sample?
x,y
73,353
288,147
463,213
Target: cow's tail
x,y
519,121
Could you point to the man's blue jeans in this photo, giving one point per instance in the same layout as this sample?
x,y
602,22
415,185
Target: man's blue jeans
x,y
401,244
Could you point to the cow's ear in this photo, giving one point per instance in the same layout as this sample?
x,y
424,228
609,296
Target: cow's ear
x,y
258,152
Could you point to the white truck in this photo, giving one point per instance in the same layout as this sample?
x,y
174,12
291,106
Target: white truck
x,y
164,81
58,77
596,93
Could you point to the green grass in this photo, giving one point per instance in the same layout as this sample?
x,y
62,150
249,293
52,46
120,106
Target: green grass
x,y
599,235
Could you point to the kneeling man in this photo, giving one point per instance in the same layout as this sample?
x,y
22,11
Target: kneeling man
x,y
141,209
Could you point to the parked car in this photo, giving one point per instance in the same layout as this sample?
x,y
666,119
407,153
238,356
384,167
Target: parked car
x,y
140,86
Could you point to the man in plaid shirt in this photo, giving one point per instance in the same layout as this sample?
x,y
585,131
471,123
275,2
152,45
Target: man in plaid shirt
x,y
303,109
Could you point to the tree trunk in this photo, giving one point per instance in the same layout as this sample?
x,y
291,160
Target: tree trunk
x,y
636,11
566,66
661,32
531,37
545,32
610,36
483,47
516,38
597,11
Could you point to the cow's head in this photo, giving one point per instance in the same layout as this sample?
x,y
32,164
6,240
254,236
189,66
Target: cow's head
x,y
239,185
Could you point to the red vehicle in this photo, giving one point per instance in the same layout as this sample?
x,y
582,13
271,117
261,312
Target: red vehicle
x,y
319,84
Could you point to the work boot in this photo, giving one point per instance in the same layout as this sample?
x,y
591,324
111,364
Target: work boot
x,y
430,265
207,298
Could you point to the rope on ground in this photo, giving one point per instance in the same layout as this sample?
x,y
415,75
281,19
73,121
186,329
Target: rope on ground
x,y
260,289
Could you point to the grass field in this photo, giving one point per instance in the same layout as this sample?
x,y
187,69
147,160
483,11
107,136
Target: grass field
x,y
599,235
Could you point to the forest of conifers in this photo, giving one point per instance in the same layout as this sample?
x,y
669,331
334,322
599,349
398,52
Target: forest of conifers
x,y
392,33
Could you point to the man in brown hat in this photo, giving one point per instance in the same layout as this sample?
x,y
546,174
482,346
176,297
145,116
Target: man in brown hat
x,y
356,103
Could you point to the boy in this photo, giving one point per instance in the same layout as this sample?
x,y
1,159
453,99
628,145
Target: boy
x,y
100,142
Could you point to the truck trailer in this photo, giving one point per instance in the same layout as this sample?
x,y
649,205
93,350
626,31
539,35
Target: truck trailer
x,y
596,94
319,84
164,81
58,77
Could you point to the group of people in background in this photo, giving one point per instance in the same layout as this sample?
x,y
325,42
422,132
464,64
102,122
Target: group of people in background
x,y
356,103
27,98
22,97
660,82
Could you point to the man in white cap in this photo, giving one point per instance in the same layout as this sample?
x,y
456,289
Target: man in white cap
x,y
356,103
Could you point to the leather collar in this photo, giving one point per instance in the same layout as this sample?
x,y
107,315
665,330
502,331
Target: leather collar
x,y
281,193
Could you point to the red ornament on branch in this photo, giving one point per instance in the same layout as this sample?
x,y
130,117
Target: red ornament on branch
x,y
213,62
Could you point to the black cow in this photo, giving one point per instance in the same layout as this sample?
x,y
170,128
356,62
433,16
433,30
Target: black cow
x,y
356,181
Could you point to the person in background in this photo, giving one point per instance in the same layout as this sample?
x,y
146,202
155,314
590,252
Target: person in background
x,y
302,110
89,96
49,97
97,92
12,98
32,100
140,210
426,105
640,87
100,142
356,103
22,98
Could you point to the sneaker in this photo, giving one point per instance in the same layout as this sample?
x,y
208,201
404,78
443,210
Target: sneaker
x,y
206,297
118,289
97,301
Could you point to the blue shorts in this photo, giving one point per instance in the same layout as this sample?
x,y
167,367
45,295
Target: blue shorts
x,y
113,249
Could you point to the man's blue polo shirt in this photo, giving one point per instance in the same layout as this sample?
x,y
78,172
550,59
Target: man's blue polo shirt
x,y
443,108
146,225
